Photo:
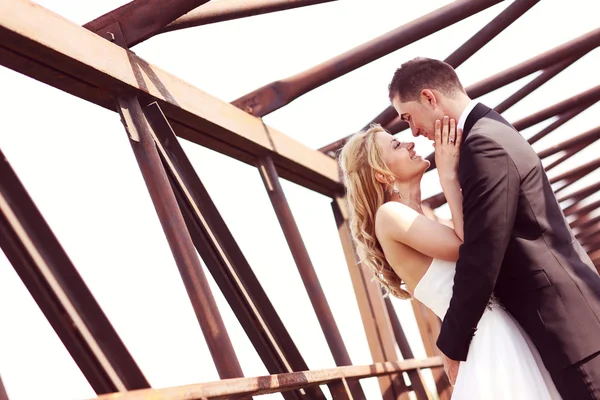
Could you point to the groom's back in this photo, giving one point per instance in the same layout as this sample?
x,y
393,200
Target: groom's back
x,y
547,281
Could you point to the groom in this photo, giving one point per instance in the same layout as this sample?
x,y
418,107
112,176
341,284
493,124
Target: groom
x,y
517,245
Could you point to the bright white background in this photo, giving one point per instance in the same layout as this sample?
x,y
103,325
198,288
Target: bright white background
x,y
75,161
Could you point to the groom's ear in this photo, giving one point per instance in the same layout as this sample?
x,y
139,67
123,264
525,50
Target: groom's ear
x,y
428,98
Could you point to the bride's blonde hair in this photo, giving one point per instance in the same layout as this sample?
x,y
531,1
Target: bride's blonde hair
x,y
360,159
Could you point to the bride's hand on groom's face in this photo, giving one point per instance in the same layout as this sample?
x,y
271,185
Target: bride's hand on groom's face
x,y
447,148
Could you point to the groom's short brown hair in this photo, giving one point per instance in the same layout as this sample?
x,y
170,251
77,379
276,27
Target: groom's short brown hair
x,y
423,73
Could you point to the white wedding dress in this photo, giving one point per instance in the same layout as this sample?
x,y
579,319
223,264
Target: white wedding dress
x,y
502,362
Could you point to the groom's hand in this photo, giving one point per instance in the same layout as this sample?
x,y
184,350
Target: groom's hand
x,y
451,368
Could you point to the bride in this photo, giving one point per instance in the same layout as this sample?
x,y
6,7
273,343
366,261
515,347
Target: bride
x,y
413,256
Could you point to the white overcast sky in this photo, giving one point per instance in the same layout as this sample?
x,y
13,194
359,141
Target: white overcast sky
x,y
74,159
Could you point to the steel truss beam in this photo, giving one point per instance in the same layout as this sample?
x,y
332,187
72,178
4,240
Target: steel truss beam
x,y
232,388
224,259
53,50
277,94
141,19
233,9
61,293
573,49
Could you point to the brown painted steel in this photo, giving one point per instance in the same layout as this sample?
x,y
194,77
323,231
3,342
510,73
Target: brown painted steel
x,y
224,259
3,394
370,304
225,10
187,260
584,139
60,292
49,48
416,379
141,19
274,383
270,178
277,94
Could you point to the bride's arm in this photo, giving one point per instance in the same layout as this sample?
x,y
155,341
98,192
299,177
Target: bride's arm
x,y
405,225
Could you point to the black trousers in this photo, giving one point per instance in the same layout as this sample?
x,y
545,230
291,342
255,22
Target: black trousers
x,y
580,381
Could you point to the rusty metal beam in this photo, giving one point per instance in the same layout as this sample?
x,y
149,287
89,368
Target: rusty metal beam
x,y
305,267
576,48
277,94
60,292
582,99
581,193
530,87
372,309
225,260
576,173
584,222
3,394
141,19
562,119
416,379
584,234
232,388
578,208
219,11
53,50
188,263
568,154
584,139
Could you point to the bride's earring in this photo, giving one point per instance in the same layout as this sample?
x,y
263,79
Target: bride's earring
x,y
396,191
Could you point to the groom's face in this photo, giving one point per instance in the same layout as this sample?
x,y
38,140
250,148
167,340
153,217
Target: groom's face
x,y
419,114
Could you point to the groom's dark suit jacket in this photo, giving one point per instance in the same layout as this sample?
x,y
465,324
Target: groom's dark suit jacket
x,y
518,245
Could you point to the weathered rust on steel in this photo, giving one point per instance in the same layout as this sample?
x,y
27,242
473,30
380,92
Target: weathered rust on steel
x,y
225,260
589,96
581,193
141,19
580,209
562,119
188,263
574,49
277,94
75,61
3,394
371,307
232,388
429,335
416,379
568,154
583,139
538,81
60,292
226,10
309,277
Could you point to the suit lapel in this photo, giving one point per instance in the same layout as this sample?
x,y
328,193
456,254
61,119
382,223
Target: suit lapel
x,y
475,115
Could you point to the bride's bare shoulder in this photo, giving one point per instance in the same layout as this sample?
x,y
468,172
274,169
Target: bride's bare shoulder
x,y
394,215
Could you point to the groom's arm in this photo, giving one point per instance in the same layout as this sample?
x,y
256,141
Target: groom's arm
x,y
490,185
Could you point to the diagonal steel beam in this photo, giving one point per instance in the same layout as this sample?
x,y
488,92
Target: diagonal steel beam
x,y
568,154
584,139
224,259
544,77
277,94
225,10
571,176
61,293
471,46
579,209
53,50
141,19
581,193
573,49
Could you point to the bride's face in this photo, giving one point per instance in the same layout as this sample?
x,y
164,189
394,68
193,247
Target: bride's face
x,y
400,157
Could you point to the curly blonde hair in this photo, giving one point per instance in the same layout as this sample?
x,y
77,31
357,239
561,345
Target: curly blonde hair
x,y
360,159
